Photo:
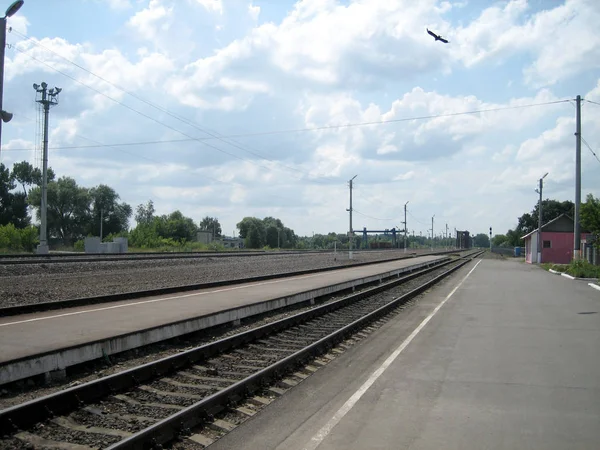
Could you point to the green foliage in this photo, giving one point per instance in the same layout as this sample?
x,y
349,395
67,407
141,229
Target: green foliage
x,y
481,240
26,175
79,245
18,239
211,224
105,208
583,269
13,206
269,231
68,211
590,216
144,214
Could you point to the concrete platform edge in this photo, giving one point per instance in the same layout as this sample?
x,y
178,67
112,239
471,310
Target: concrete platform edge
x,y
62,358
594,286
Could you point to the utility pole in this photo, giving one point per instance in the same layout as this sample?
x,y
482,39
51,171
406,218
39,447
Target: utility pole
x,y
577,234
10,11
446,235
405,226
101,221
432,231
350,233
539,233
47,99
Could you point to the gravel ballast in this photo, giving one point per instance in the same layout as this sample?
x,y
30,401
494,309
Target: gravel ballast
x,y
47,282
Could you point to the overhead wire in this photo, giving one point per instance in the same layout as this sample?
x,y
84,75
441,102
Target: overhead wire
x,y
371,217
590,148
211,133
591,101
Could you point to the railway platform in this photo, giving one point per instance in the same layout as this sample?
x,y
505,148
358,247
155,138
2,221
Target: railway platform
x,y
50,341
504,356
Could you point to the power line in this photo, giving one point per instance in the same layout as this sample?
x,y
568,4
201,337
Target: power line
x,y
590,101
212,134
590,148
383,122
422,223
190,138
371,217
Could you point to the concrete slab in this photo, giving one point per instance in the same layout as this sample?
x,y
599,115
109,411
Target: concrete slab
x,y
511,361
40,342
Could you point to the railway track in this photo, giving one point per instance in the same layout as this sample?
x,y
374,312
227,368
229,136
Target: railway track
x,y
19,259
29,308
175,397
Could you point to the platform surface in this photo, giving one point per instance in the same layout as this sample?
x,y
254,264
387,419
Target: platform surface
x,y
510,361
31,334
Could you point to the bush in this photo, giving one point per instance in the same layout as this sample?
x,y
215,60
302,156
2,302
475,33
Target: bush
x,y
18,239
79,245
583,269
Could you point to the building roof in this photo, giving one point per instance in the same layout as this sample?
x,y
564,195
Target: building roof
x,y
561,218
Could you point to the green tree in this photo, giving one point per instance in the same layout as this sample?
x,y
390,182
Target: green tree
x,y
590,215
481,240
254,237
500,240
27,175
105,205
176,226
13,206
144,214
551,209
68,211
211,224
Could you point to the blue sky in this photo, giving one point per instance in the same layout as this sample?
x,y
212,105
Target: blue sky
x,y
196,69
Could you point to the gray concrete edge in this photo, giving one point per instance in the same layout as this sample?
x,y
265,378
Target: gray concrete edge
x,y
60,359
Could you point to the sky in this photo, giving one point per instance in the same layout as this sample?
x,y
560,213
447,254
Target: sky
x,y
235,108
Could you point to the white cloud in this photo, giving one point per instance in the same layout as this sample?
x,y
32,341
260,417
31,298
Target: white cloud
x,y
212,5
253,11
118,5
152,21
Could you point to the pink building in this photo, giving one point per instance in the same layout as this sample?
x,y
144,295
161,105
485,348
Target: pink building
x,y
557,242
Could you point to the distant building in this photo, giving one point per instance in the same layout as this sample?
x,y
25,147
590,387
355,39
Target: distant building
x,y
232,242
204,237
463,239
557,242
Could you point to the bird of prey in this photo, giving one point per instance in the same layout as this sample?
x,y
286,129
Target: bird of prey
x,y
437,37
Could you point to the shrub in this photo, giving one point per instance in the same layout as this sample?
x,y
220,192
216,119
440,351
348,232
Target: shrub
x,y
583,269
79,245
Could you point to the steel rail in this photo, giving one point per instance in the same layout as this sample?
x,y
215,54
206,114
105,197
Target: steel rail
x,y
29,413
94,300
201,412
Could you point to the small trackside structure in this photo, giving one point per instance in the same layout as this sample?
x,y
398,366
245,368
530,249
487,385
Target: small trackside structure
x,y
557,242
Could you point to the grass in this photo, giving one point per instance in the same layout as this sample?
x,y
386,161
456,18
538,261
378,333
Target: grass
x,y
578,269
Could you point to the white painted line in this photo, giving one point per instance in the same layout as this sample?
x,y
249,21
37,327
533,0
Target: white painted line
x,y
594,285
156,300
318,438
566,275
554,271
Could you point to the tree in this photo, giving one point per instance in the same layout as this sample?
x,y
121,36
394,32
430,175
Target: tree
x,y
27,175
590,215
13,206
500,240
481,240
551,209
68,211
176,226
115,216
144,214
211,224
254,237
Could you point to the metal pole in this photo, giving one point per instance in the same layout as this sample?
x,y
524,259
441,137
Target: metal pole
x,y
101,217
432,231
577,230
539,234
405,226
350,234
2,48
43,247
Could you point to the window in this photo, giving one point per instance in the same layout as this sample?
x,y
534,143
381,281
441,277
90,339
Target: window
x,y
547,244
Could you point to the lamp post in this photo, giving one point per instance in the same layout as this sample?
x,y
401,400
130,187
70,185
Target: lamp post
x,y
539,234
10,11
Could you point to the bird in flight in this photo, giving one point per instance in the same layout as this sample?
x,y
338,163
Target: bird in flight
x,y
437,37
